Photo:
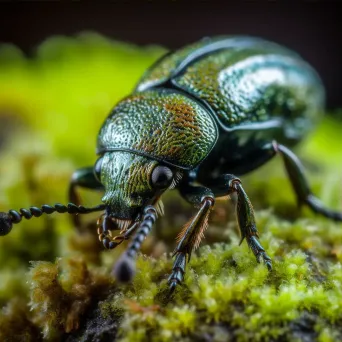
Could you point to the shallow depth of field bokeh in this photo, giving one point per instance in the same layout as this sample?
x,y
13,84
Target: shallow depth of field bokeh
x,y
51,108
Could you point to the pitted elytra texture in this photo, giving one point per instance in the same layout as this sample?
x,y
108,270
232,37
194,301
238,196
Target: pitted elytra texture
x,y
161,124
165,67
253,85
172,64
244,81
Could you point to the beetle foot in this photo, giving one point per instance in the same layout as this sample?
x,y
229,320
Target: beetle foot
x,y
175,279
178,271
172,286
267,260
259,252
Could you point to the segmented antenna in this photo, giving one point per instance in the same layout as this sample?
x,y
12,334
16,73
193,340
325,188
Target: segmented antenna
x,y
13,216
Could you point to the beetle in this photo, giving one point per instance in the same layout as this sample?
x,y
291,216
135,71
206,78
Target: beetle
x,y
198,119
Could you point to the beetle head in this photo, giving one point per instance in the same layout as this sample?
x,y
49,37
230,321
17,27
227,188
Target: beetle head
x,y
132,182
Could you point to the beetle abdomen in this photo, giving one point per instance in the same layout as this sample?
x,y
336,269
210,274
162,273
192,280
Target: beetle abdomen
x,y
244,82
174,63
249,86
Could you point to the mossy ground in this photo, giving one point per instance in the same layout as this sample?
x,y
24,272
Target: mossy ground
x,y
51,107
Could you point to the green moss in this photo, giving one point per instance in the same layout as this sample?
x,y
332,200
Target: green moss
x,y
51,107
15,323
60,294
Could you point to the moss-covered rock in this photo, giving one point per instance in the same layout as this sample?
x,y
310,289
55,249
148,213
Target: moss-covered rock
x,y
51,107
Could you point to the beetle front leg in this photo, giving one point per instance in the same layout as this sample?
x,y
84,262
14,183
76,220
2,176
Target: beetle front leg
x,y
83,178
193,232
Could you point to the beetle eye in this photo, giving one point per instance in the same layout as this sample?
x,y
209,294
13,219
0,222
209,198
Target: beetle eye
x,y
161,177
97,169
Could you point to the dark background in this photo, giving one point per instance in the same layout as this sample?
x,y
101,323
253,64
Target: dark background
x,y
312,28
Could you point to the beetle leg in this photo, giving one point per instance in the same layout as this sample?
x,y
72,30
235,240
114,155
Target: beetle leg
x,y
247,225
192,233
295,171
227,184
84,178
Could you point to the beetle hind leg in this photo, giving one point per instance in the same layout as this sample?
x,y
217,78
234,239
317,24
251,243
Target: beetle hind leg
x,y
295,171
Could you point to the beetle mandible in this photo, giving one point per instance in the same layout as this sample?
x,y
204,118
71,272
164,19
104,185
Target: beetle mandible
x,y
205,114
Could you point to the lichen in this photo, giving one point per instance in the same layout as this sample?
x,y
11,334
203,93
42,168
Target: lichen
x,y
51,107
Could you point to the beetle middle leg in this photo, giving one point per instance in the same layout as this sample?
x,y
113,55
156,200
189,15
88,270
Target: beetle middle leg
x,y
190,237
227,184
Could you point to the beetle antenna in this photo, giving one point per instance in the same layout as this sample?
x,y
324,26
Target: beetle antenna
x,y
12,216
124,269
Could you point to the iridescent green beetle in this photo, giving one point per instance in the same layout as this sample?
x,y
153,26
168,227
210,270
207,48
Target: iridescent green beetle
x,y
199,118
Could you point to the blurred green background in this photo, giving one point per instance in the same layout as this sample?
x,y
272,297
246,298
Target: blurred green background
x,y
51,108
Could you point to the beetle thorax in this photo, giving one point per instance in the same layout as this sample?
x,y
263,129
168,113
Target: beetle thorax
x,y
161,124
